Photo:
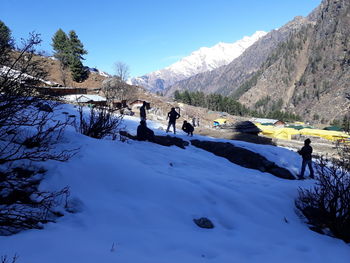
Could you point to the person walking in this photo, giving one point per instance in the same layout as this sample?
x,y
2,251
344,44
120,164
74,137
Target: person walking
x,y
306,153
143,111
173,115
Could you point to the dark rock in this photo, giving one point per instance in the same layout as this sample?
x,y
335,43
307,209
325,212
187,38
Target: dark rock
x,y
280,172
44,107
169,141
316,229
23,173
243,157
246,127
161,140
203,222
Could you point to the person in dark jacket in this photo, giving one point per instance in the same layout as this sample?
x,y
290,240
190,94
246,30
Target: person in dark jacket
x,y
144,133
173,115
143,111
306,153
188,128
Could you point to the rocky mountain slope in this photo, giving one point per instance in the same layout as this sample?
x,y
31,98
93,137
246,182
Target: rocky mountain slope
x,y
310,73
202,60
227,79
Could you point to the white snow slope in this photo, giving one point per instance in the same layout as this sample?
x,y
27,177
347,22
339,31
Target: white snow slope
x,y
201,60
143,197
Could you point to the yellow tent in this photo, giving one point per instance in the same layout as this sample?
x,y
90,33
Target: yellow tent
x,y
286,133
219,122
277,132
329,135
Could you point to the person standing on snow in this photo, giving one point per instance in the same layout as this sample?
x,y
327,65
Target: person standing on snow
x,y
306,152
143,111
172,116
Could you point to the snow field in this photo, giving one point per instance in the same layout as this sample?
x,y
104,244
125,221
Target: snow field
x,y
143,198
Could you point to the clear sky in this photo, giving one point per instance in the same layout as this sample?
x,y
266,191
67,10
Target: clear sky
x,y
151,34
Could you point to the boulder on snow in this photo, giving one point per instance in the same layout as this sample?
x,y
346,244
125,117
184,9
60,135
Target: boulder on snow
x,y
161,140
203,222
169,141
243,157
44,107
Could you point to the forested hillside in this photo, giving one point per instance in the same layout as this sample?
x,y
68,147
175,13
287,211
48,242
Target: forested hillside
x,y
310,72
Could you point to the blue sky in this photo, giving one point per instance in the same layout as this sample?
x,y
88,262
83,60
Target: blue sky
x,y
147,35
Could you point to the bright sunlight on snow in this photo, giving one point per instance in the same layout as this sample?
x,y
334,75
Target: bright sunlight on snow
x,y
136,202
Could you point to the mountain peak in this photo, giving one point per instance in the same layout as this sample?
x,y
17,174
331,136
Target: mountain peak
x,y
201,60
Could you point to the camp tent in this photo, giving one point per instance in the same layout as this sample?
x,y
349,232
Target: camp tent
x,y
329,135
219,122
277,132
332,128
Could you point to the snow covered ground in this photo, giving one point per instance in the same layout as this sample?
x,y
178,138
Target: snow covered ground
x,y
137,202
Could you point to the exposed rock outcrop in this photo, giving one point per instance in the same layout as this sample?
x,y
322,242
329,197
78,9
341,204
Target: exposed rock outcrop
x,y
243,157
161,140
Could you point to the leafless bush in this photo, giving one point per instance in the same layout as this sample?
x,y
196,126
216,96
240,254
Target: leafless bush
x,y
326,206
98,123
6,259
29,132
116,89
22,205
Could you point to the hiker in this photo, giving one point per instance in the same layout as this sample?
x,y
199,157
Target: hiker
x,y
143,111
188,128
306,152
144,133
172,116
194,121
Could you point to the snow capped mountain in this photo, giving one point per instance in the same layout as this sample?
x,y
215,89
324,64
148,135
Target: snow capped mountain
x,y
201,60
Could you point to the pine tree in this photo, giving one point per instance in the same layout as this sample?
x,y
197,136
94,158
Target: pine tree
x,y
6,42
76,47
77,69
77,51
69,50
61,47
346,123
177,95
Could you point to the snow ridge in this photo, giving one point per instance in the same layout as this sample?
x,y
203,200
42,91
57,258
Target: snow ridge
x,y
201,60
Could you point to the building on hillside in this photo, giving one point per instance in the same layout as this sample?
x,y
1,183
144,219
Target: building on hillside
x,y
86,99
60,91
119,104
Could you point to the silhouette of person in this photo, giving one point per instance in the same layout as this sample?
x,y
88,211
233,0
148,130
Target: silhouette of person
x,y
306,152
144,133
143,111
173,115
194,121
188,128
